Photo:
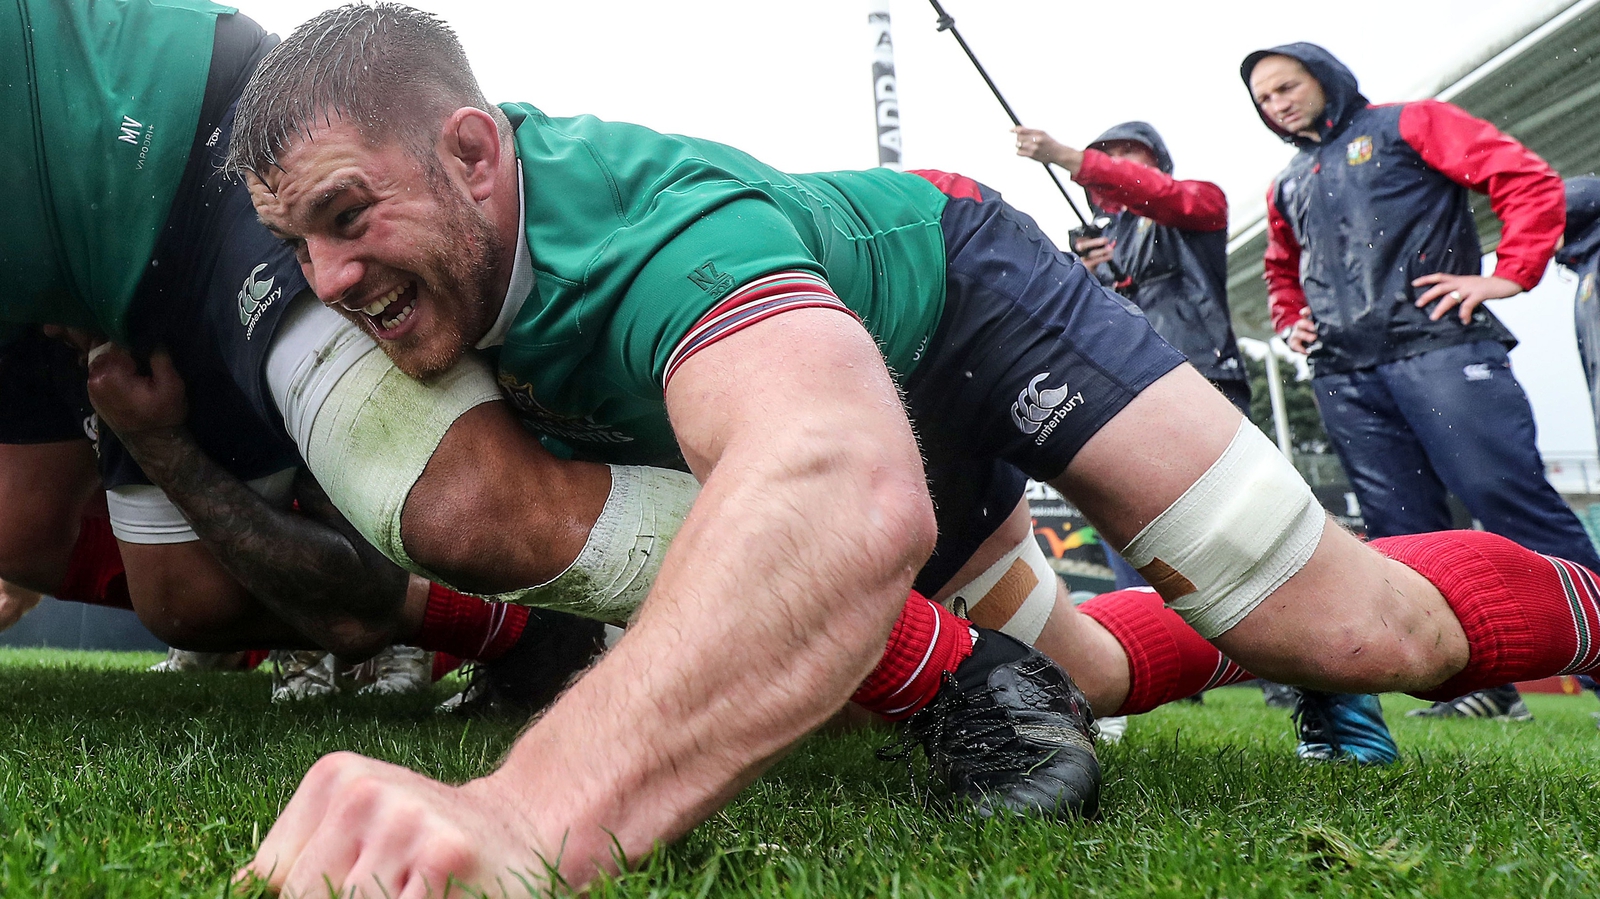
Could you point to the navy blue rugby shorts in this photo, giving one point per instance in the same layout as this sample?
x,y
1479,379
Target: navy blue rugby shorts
x,y
42,392
1031,357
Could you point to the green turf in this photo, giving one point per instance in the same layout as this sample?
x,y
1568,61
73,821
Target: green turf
x,y
114,782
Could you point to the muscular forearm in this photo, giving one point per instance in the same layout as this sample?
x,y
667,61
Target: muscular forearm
x,y
760,626
328,584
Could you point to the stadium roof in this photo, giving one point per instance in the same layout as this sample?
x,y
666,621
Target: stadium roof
x,y
1541,85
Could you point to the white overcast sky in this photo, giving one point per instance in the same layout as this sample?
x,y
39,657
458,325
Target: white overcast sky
x,y
790,82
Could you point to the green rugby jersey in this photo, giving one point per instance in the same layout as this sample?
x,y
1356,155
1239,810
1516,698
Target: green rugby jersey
x,y
635,236
99,101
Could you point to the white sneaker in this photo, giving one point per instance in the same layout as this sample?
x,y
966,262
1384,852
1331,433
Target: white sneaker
x,y
1110,730
396,671
303,674
184,660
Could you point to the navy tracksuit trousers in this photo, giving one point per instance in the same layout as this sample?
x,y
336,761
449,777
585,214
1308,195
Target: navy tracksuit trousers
x,y
1453,419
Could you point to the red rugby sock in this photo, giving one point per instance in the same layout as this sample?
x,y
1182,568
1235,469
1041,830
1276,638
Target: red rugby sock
x,y
1526,615
927,641
94,572
467,626
1167,660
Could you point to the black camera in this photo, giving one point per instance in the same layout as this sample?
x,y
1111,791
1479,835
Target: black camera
x,y
1088,231
1096,227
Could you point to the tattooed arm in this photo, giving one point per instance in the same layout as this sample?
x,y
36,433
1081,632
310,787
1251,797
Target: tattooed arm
x,y
320,576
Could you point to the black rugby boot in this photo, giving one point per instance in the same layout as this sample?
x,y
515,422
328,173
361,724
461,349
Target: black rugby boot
x,y
554,649
1009,732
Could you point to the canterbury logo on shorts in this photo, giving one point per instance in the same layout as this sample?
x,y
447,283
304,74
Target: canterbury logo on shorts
x,y
1039,410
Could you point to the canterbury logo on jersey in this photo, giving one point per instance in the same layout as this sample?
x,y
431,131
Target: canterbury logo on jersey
x,y
254,298
1038,412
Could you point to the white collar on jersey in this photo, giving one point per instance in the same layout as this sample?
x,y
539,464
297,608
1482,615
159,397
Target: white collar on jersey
x,y
521,277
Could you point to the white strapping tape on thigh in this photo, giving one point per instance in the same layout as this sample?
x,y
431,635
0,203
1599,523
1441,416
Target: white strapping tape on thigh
x,y
375,433
1015,595
619,562
1246,526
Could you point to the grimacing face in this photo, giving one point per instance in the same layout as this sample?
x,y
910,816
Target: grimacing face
x,y
387,240
1287,94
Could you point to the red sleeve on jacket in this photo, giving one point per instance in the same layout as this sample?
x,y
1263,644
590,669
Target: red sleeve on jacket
x,y
1286,299
1523,190
1190,205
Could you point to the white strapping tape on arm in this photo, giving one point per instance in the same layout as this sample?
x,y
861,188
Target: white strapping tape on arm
x,y
1237,534
375,433
619,562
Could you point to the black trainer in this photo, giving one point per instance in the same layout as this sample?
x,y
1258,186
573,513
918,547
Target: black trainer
x,y
1009,732
1503,703
554,649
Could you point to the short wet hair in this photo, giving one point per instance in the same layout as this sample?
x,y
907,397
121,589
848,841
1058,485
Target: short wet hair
x,y
392,70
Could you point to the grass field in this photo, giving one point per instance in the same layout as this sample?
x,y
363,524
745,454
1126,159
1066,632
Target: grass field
x,y
114,782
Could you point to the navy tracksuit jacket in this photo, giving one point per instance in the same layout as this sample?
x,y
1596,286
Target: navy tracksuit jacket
x,y
1415,407
1581,255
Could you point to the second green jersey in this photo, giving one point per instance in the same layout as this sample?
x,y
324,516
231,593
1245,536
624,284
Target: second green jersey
x,y
99,102
635,236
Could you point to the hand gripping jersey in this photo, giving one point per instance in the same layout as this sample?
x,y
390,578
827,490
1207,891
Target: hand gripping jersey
x,y
646,246
99,102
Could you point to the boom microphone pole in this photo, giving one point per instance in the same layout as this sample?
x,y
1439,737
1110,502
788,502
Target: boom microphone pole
x,y
947,22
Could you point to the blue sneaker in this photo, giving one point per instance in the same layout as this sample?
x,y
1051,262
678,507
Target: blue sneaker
x,y
1343,727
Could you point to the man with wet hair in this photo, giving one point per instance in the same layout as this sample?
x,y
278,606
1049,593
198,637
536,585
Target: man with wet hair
x,y
657,297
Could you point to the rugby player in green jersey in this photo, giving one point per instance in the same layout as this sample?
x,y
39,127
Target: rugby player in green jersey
x,y
648,294
587,537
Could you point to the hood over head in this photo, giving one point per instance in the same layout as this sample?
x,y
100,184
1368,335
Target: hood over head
x,y
1338,86
1140,133
1583,212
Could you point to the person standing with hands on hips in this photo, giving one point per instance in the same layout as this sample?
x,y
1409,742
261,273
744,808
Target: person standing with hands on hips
x,y
1373,269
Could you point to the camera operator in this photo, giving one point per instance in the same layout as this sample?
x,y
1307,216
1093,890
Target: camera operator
x,y
1168,240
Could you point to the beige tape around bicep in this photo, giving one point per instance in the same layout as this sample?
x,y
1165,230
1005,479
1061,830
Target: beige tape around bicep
x,y
376,431
619,562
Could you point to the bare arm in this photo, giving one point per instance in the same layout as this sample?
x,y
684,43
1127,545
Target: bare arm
x,y
494,510
773,603
780,589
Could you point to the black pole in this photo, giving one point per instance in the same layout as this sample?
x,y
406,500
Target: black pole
x,y
1088,229
948,23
